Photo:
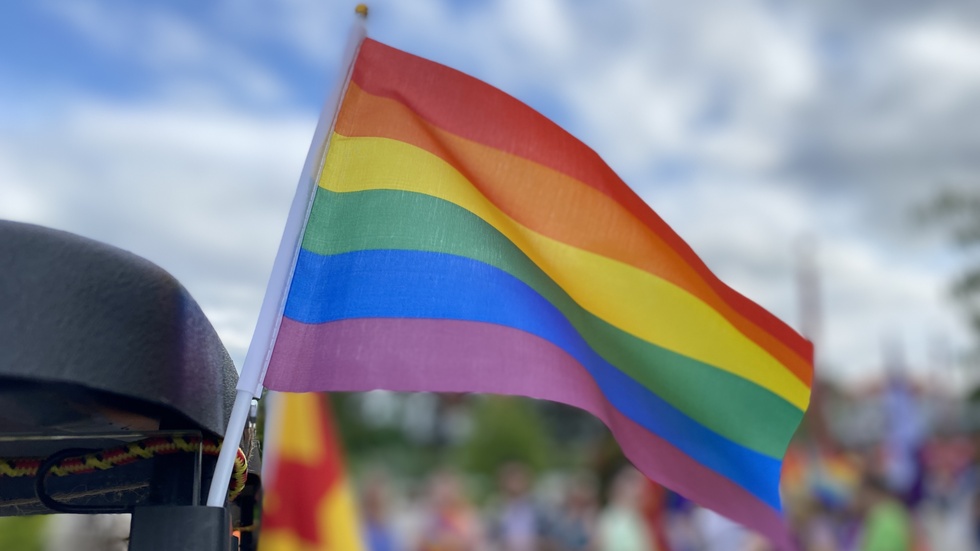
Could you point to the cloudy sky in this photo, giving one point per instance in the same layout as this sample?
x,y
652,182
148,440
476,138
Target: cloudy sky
x,y
177,130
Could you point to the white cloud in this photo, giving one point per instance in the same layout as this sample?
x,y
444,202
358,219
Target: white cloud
x,y
312,29
183,53
722,220
827,119
542,27
749,233
881,299
203,193
941,48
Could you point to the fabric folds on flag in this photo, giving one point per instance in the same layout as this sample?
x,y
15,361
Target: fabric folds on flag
x,y
308,504
459,241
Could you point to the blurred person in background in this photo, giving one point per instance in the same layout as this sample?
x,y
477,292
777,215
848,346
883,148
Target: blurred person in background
x,y
374,506
621,525
976,520
679,525
969,481
886,525
756,542
946,513
449,522
517,523
813,525
718,533
655,509
827,519
573,527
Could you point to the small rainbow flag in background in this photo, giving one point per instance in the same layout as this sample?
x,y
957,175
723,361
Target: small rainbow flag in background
x,y
458,241
308,504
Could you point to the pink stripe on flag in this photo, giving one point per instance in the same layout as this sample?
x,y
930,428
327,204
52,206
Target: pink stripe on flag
x,y
412,355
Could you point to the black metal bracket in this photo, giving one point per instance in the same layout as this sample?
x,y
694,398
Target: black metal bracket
x,y
197,528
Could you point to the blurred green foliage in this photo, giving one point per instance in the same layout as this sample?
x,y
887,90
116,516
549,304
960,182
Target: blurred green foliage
x,y
22,533
499,429
505,430
957,211
366,445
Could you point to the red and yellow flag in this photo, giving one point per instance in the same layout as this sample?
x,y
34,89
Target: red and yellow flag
x,y
308,503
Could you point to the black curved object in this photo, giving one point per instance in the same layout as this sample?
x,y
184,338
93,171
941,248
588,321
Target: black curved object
x,y
90,325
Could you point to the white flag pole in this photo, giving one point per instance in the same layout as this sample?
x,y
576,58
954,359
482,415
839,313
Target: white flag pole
x,y
270,315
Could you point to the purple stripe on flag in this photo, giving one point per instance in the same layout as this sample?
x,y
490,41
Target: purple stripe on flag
x,y
410,355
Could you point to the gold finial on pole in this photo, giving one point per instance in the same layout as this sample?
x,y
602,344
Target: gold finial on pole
x,y
361,10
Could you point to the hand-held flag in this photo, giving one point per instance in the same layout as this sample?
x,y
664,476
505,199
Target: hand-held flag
x,y
266,327
458,241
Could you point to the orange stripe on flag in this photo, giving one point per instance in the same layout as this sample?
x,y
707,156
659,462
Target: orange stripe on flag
x,y
524,189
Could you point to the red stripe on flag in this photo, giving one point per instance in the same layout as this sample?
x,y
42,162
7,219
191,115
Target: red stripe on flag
x,y
474,110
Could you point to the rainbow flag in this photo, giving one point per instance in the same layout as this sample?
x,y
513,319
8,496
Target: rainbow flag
x,y
307,504
458,241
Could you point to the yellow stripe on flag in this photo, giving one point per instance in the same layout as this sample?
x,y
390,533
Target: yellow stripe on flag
x,y
631,299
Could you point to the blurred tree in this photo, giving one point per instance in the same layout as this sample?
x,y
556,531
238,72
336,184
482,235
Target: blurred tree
x,y
570,426
22,533
473,432
505,429
387,445
958,212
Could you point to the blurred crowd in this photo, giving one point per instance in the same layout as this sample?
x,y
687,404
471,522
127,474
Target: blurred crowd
x,y
870,499
925,498
522,514
834,501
